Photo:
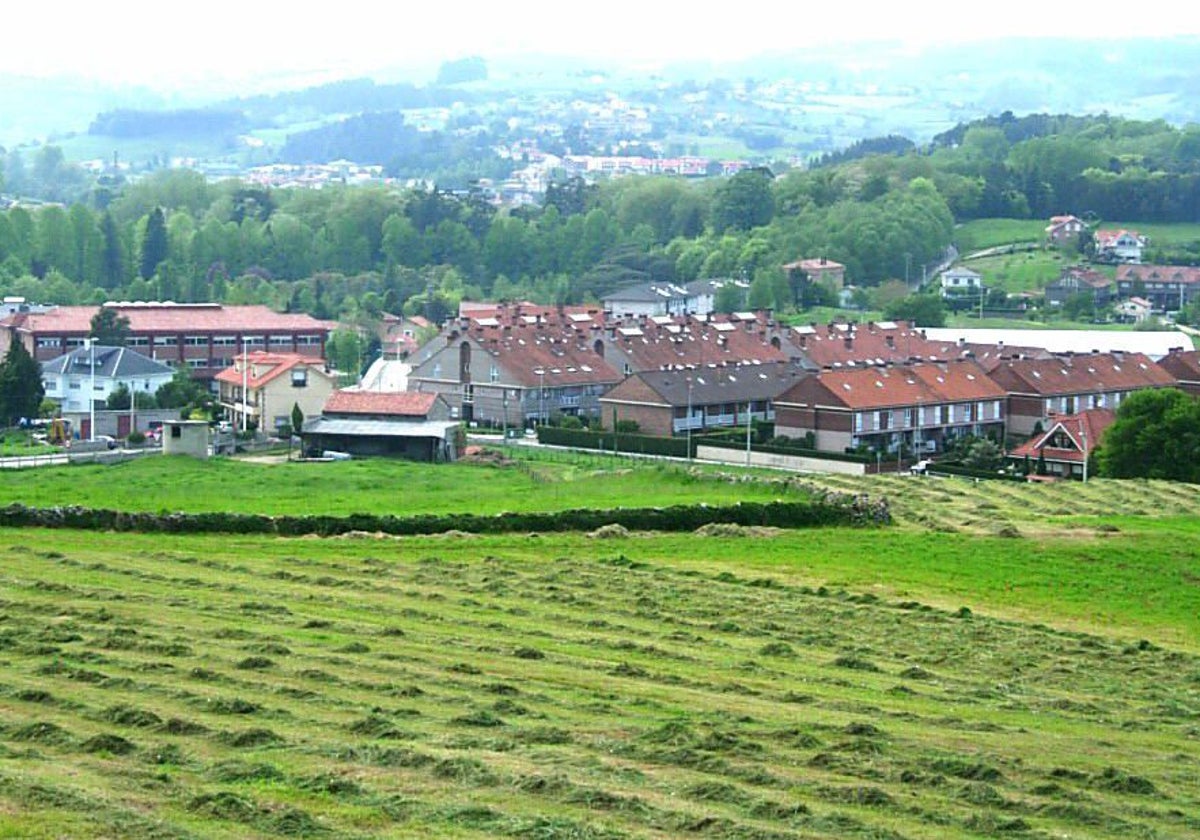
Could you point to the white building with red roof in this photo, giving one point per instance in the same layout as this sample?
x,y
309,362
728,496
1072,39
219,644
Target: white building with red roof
x,y
1122,246
261,388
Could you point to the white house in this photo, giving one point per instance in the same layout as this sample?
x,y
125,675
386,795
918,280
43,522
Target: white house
x,y
99,371
961,281
1123,246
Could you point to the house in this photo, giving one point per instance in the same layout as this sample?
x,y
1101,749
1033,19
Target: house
x,y
1076,280
1064,230
1184,366
655,299
875,342
407,425
261,389
961,282
1119,246
91,374
204,337
1135,310
400,336
695,399
522,364
1067,445
918,407
1167,287
1039,390
819,270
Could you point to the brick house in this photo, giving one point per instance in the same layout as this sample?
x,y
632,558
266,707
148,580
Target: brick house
x,y
1067,444
672,402
1167,287
1076,279
1039,390
1064,230
204,337
921,407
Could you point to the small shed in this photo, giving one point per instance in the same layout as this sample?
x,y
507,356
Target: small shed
x,y
185,437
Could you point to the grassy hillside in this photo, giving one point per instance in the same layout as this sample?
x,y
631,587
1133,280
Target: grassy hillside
x,y
1005,660
566,687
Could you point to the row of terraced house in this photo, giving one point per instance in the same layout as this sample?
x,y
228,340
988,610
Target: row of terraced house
x,y
885,385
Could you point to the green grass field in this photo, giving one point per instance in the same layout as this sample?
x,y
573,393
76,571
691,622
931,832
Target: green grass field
x,y
1007,660
991,233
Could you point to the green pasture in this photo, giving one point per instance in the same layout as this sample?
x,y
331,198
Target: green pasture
x,y
789,685
1004,660
979,234
1021,271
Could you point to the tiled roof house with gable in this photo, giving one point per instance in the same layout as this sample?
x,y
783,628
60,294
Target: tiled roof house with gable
x,y
1064,230
519,364
1121,246
261,388
1068,443
1039,390
919,407
1167,287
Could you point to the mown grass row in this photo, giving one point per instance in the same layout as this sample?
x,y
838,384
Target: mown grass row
x,y
559,687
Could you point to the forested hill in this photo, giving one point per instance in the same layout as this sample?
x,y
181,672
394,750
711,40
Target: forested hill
x,y
350,252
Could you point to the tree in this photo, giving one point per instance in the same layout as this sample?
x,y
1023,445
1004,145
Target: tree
x,y
110,328
155,246
118,399
745,201
21,387
1156,435
919,310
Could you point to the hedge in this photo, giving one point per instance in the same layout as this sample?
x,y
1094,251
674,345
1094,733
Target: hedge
x,y
639,444
970,472
831,509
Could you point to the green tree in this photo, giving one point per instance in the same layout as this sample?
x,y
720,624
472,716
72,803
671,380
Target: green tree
x,y
1156,435
745,201
155,246
920,310
109,327
297,418
118,398
21,387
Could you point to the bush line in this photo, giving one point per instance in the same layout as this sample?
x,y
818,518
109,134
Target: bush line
x,y
832,510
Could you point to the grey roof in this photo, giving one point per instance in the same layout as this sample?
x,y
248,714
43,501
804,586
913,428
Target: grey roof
x,y
719,384
378,428
111,363
649,293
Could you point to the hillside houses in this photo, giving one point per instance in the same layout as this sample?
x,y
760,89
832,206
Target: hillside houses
x,y
1167,287
919,407
1040,389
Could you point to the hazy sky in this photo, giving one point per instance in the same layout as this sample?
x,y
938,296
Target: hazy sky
x,y
164,43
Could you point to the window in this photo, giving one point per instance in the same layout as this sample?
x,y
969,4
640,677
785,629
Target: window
x,y
281,420
996,409
858,421
308,340
912,417
281,341
224,341
137,341
966,413
195,341
176,431
884,419
48,342
252,340
299,377
165,341
494,374
74,384
946,414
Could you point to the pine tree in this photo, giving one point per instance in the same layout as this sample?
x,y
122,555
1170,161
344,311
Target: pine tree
x,y
21,386
154,245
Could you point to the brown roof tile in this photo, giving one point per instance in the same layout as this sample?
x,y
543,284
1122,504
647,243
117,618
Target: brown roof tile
x,y
401,403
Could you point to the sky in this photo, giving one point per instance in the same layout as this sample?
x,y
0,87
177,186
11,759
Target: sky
x,y
164,44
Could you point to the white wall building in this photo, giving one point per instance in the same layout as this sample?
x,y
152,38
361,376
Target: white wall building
x,y
69,378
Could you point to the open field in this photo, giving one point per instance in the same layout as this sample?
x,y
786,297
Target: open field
x,y
990,233
1012,660
1024,271
560,687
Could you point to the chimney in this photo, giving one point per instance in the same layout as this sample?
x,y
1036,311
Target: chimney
x,y
890,340
849,341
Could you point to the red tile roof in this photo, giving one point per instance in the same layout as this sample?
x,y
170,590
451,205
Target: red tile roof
x,y
266,366
169,318
1185,275
897,386
830,345
399,403
1184,365
1080,432
1091,373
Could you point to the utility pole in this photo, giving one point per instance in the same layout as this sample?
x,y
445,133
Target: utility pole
x,y
1083,436
749,419
689,419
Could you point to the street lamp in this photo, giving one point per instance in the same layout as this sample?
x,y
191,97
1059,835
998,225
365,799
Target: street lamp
x,y
688,420
92,392
541,372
